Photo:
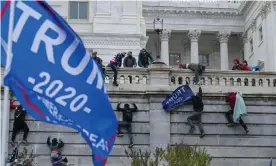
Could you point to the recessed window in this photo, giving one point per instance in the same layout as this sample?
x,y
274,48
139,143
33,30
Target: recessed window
x,y
204,59
174,59
261,33
251,45
78,10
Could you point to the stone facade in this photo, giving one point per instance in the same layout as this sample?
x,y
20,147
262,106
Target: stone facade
x,y
116,26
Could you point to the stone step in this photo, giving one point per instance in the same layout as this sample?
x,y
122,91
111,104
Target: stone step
x,y
220,118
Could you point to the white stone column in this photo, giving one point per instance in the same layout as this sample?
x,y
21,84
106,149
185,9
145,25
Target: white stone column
x,y
194,36
129,9
223,39
164,36
245,46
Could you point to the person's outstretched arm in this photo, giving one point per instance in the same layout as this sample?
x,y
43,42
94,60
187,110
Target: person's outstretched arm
x,y
118,107
48,141
135,109
60,144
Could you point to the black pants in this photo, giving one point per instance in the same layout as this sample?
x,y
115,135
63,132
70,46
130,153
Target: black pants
x,y
195,68
114,69
20,126
127,125
229,117
196,118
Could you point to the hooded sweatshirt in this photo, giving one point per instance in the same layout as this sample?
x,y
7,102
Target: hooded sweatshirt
x,y
130,61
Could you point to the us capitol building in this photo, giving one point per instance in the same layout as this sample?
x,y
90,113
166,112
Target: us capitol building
x,y
208,31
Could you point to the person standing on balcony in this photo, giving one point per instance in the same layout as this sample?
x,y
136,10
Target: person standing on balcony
x,y
127,120
195,67
130,61
20,124
115,63
144,59
231,100
244,66
99,61
237,65
196,118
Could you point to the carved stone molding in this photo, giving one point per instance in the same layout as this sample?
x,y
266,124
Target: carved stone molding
x,y
253,25
223,36
165,35
187,12
265,9
194,35
244,37
111,42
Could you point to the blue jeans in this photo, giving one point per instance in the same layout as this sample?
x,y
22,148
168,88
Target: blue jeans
x,y
128,127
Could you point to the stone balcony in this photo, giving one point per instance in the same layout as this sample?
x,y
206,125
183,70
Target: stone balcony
x,y
162,80
165,80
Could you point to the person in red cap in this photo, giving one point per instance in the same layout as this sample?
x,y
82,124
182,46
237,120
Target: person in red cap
x,y
244,66
231,99
237,65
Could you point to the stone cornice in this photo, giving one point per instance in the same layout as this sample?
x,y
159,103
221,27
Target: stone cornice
x,y
244,6
189,12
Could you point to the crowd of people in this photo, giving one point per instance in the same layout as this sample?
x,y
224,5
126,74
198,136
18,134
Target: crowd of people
x,y
144,60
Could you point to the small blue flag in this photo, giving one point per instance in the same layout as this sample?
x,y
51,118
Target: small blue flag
x,y
53,76
177,98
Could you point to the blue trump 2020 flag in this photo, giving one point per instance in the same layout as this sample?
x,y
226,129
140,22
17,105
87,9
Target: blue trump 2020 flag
x,y
53,76
177,98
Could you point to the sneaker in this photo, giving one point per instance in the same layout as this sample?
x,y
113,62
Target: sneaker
x,y
191,131
120,134
202,135
246,131
13,143
130,145
115,84
24,142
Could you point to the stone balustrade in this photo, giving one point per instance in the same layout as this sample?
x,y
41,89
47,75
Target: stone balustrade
x,y
140,79
212,80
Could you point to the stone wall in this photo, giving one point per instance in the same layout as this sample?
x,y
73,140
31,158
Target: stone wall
x,y
153,127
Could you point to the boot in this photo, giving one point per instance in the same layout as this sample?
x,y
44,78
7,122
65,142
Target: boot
x,y
115,84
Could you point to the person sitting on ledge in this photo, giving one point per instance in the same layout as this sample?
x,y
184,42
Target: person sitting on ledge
x,y
127,119
115,63
196,67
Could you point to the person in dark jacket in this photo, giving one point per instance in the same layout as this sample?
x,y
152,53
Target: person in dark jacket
x,y
144,58
195,67
116,62
231,99
127,119
20,124
99,61
130,61
237,65
55,147
198,108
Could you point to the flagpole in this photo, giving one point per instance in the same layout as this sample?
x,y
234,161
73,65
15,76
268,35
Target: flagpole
x,y
6,109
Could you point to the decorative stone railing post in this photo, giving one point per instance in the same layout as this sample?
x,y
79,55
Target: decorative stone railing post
x,y
159,119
